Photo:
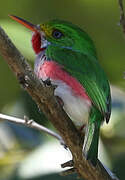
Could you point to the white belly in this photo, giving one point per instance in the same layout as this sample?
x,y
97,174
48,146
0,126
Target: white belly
x,y
75,106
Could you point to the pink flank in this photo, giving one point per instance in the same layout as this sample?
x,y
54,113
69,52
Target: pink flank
x,y
55,72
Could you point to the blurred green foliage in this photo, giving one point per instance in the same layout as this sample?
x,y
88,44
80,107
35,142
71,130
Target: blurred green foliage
x,y
100,19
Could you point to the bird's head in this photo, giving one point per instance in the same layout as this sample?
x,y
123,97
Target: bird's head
x,y
58,35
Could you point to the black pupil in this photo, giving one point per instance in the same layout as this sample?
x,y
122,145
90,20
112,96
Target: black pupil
x,y
57,34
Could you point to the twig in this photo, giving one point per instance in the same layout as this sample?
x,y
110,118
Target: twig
x,y
67,164
109,172
44,98
68,172
32,124
122,15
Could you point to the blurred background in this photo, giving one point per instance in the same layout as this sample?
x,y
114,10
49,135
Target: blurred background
x,y
26,154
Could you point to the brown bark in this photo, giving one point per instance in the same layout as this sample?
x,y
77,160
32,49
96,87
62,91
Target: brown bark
x,y
122,15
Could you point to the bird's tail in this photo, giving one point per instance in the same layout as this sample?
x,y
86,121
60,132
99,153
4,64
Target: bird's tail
x,y
90,147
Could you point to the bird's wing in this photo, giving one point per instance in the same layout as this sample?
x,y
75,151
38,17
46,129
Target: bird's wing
x,y
99,95
90,74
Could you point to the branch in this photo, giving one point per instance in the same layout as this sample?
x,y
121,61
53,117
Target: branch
x,y
32,124
122,15
44,98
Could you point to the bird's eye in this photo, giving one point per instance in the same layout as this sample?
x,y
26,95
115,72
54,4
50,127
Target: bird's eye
x,y
57,34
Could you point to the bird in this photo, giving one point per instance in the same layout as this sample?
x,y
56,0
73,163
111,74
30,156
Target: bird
x,y
66,57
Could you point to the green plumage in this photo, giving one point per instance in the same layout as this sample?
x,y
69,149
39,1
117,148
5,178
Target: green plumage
x,y
76,52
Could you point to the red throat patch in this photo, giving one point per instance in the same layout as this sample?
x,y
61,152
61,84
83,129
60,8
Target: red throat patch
x,y
36,42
